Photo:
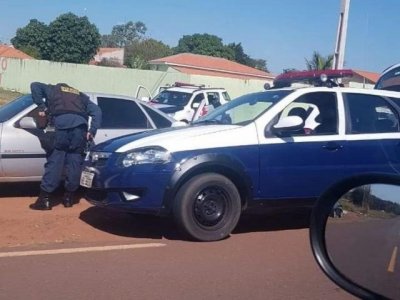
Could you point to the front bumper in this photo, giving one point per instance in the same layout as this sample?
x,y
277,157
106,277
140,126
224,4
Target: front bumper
x,y
137,189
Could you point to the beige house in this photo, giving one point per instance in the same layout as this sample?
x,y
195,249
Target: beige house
x,y
195,64
362,79
112,54
11,52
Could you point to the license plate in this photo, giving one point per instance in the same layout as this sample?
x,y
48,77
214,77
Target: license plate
x,y
87,179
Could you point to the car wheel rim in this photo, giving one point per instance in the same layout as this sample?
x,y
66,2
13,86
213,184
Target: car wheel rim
x,y
210,206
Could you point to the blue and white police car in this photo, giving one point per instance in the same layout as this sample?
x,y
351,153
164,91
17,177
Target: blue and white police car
x,y
277,148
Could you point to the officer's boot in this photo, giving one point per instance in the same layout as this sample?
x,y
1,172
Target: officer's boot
x,y
42,202
68,199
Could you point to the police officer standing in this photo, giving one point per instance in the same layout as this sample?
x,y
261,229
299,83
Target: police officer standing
x,y
68,110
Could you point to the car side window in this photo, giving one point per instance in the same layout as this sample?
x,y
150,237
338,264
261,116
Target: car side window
x,y
369,114
158,119
121,114
226,96
318,110
213,99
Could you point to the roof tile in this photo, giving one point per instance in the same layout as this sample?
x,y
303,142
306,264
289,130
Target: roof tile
x,y
371,76
11,52
210,65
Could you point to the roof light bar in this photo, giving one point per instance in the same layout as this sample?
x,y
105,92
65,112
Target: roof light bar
x,y
181,84
315,77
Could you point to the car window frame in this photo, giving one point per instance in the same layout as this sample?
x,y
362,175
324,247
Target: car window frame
x,y
339,108
149,120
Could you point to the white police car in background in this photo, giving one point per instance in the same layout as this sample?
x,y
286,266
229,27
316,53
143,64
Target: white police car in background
x,y
182,100
278,148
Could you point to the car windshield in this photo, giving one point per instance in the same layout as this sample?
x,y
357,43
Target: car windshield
x,y
389,81
244,109
10,109
172,98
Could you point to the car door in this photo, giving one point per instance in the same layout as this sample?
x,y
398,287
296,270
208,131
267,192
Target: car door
x,y
21,151
120,117
372,134
301,164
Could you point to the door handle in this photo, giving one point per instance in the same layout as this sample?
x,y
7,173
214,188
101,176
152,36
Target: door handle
x,y
332,146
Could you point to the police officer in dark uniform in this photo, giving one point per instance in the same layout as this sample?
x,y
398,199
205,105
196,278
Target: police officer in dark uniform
x,y
68,110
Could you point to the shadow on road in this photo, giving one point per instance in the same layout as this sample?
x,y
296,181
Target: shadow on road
x,y
31,189
130,225
143,226
19,189
294,219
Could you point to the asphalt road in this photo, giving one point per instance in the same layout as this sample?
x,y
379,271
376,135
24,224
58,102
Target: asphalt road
x,y
367,250
90,253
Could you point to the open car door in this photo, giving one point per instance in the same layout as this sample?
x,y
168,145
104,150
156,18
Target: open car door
x,y
200,111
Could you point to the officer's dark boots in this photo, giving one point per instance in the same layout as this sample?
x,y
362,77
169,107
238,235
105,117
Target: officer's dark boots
x,y
42,202
68,199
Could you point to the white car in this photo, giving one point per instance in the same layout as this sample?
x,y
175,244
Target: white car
x,y
182,101
22,155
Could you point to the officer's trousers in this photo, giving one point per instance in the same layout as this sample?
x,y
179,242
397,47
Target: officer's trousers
x,y
65,159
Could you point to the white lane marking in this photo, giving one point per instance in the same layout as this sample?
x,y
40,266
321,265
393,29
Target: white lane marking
x,y
392,262
79,250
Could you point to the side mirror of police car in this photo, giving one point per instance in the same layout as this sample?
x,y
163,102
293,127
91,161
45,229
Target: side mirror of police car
x,y
287,125
195,105
354,233
27,123
179,124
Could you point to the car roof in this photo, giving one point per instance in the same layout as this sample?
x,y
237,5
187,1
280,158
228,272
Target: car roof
x,y
386,93
95,94
188,89
110,95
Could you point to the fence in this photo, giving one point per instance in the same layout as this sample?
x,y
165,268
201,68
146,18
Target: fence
x,y
17,74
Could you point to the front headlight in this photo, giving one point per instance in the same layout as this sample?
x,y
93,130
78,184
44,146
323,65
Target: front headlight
x,y
153,155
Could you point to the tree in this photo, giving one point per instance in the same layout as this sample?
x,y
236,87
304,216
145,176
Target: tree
x,y
239,55
289,70
140,52
260,64
32,38
72,39
124,35
318,62
205,44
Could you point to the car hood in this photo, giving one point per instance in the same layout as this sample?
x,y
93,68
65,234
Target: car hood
x,y
184,138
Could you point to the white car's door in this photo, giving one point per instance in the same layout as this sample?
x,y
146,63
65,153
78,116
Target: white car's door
x,y
21,153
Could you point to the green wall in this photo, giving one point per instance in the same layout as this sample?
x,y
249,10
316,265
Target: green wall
x,y
17,74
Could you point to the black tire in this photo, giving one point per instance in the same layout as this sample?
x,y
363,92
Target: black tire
x,y
207,207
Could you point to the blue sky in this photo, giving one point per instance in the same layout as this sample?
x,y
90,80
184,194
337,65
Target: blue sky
x,y
284,32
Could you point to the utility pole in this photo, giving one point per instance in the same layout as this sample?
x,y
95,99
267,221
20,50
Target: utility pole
x,y
338,57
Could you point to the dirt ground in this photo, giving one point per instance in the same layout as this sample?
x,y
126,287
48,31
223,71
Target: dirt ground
x,y
6,96
83,223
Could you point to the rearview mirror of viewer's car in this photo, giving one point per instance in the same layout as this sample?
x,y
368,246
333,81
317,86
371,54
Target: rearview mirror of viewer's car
x,y
354,234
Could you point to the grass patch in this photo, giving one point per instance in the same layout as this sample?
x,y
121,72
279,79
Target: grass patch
x,y
6,96
372,213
